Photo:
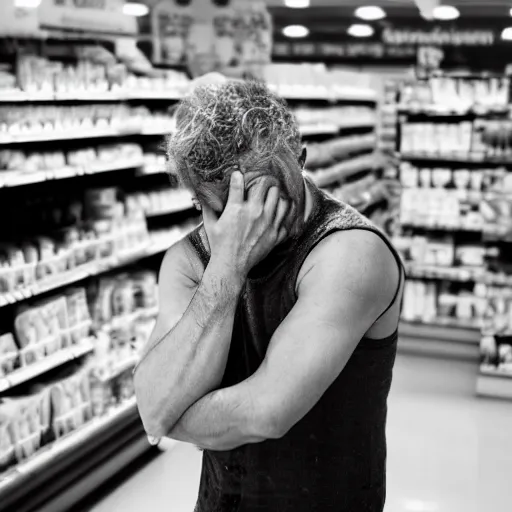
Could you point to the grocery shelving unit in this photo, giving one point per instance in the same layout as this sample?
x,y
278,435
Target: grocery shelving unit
x,y
459,253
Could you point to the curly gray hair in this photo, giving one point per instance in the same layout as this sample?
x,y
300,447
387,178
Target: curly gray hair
x,y
224,126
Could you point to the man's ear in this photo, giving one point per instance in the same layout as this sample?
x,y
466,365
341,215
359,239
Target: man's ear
x,y
302,158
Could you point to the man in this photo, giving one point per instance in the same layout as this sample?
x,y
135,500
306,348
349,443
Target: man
x,y
274,346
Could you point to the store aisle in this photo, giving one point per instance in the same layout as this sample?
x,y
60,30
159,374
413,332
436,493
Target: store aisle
x,y
448,451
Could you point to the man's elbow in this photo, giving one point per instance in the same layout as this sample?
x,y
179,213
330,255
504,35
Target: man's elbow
x,y
272,422
150,412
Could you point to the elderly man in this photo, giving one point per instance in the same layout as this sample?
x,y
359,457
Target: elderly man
x,y
275,343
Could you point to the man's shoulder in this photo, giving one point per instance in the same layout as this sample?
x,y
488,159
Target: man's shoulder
x,y
181,257
358,259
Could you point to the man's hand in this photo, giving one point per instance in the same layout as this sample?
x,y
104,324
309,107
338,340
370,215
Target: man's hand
x,y
248,229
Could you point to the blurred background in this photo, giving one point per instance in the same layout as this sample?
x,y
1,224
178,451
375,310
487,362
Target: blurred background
x,y
404,108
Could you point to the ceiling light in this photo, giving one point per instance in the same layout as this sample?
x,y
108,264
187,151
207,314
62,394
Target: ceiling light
x,y
135,9
370,13
296,4
445,12
295,31
27,4
507,34
360,30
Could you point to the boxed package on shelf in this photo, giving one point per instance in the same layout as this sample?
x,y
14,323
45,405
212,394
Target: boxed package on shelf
x,y
124,308
476,140
96,72
162,201
338,116
457,94
24,421
104,232
434,303
323,154
496,342
435,257
316,81
9,354
18,166
48,411
41,122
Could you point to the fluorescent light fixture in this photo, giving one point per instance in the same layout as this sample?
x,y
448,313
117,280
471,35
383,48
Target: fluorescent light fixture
x,y
445,12
507,34
360,30
370,13
295,31
510,12
135,9
27,4
297,4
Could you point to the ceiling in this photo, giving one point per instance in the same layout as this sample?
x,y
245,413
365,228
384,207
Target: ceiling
x,y
468,8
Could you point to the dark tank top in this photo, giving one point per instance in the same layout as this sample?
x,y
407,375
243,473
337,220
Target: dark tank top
x,y
334,458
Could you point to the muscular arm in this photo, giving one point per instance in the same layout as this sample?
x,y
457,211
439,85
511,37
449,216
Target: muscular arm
x,y
187,352
351,278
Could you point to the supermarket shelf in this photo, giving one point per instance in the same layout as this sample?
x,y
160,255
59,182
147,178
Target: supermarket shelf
x,y
319,129
17,96
42,482
454,341
27,373
441,227
81,134
178,207
338,173
84,271
459,158
348,93
9,179
458,274
494,384
150,169
450,110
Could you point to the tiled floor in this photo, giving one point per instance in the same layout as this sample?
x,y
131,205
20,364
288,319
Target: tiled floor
x,y
448,451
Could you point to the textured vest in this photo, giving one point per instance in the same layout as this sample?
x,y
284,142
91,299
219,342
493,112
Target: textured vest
x,y
334,458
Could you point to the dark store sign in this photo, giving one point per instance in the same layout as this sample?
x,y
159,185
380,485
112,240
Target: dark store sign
x,y
372,50
438,37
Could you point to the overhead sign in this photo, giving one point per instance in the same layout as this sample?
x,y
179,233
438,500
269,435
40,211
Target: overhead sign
x,y
88,15
327,50
438,36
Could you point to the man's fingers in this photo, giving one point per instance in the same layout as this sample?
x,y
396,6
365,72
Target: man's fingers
x,y
282,209
271,202
209,217
236,188
258,192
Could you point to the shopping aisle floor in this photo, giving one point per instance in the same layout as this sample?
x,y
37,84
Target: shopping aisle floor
x,y
448,451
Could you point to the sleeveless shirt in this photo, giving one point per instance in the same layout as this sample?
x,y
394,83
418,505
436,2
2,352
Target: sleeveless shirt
x,y
334,458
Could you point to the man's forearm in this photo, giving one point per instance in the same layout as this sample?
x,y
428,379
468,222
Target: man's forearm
x,y
222,420
189,361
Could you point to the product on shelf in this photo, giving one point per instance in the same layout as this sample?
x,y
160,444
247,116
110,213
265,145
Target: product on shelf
x,y
428,201
95,72
432,302
316,81
339,116
8,354
472,140
324,154
14,164
23,122
457,94
162,201
24,420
